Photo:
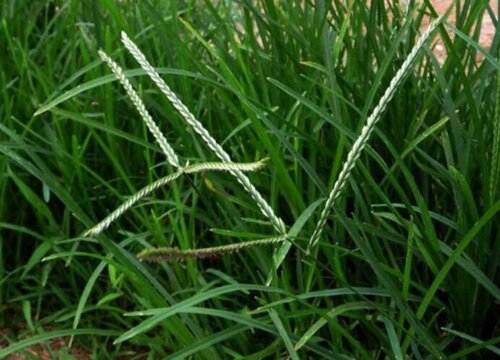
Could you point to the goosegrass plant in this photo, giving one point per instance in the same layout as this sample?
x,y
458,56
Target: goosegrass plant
x,y
170,154
407,264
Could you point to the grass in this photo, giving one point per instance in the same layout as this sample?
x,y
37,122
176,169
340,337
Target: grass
x,y
408,262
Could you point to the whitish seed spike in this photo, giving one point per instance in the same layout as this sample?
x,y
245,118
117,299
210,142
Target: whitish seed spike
x,y
141,108
176,254
189,169
366,131
265,208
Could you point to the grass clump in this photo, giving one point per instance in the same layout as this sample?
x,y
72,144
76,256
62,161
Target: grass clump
x,y
406,264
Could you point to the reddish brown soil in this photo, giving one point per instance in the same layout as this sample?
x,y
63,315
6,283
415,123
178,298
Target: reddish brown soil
x,y
487,29
41,351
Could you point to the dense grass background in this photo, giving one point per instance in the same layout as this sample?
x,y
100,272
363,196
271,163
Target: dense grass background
x,y
409,264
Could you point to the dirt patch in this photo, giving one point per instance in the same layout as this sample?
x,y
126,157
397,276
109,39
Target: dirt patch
x,y
487,27
41,351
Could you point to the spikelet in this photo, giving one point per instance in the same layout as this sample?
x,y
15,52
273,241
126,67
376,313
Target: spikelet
x,y
175,254
190,169
366,131
139,105
265,208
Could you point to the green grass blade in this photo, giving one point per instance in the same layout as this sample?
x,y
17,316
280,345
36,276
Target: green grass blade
x,y
283,334
486,344
81,88
462,245
42,338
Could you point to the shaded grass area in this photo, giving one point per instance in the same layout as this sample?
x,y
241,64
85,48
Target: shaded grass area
x,y
408,264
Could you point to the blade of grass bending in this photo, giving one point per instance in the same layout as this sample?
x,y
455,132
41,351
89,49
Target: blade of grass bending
x,y
184,329
443,273
52,335
207,342
145,191
417,327
283,333
88,288
250,323
161,314
462,245
361,291
476,46
281,253
475,348
85,295
330,316
393,339
470,267
366,131
474,339
86,86
265,208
